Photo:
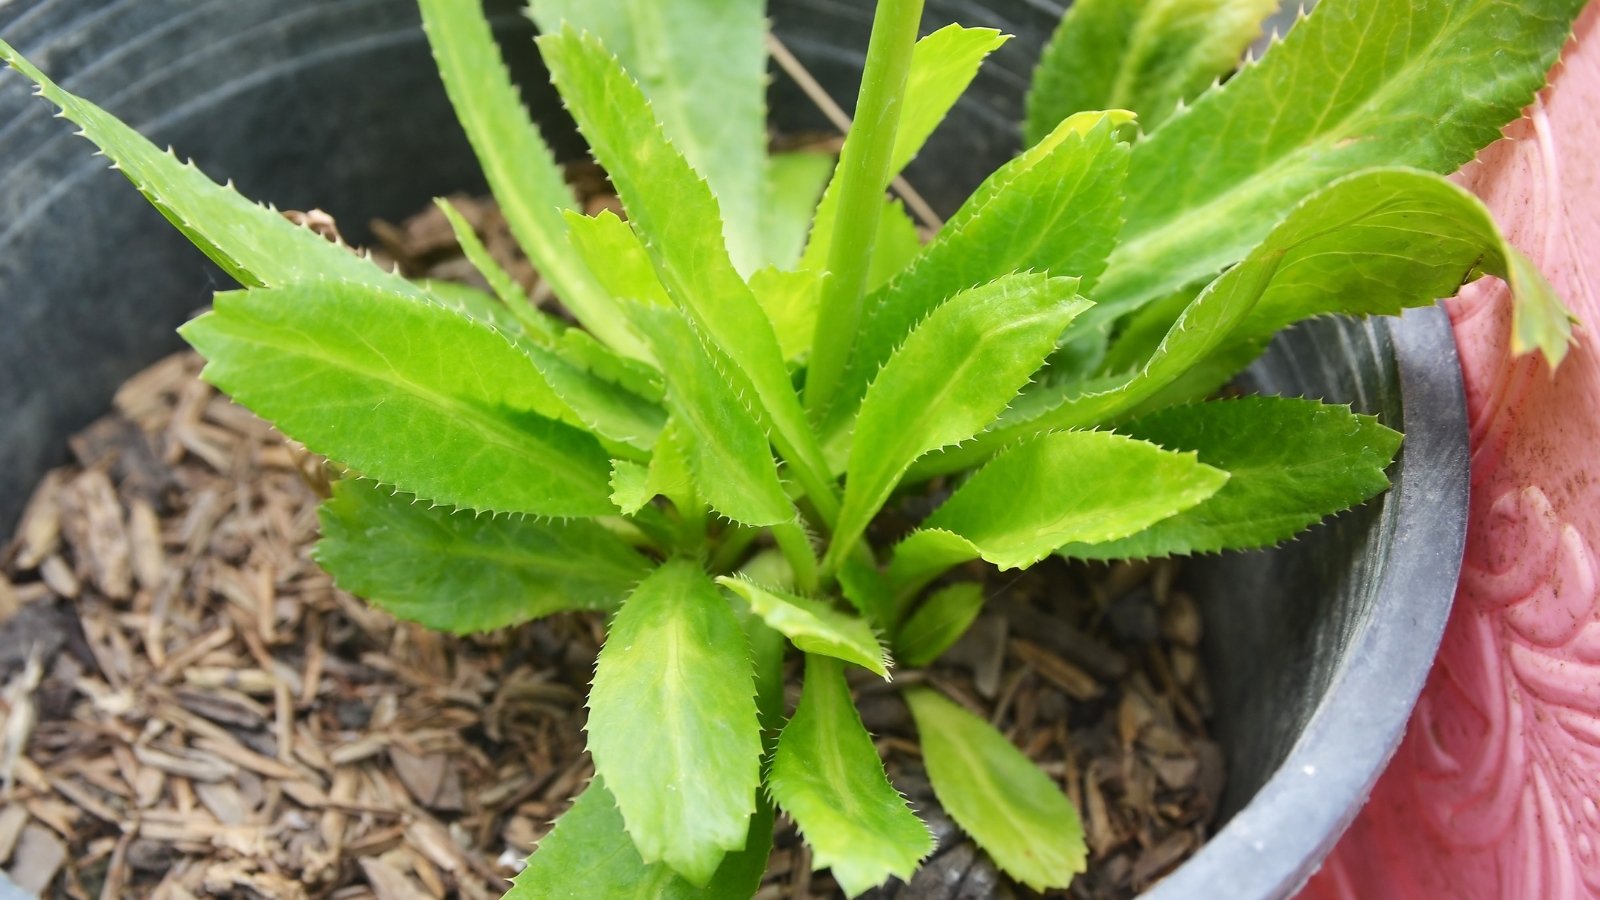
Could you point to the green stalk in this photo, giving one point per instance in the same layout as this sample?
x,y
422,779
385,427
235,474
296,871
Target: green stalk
x,y
802,557
864,165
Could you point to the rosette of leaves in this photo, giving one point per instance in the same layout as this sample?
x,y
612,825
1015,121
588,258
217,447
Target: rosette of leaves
x,y
765,354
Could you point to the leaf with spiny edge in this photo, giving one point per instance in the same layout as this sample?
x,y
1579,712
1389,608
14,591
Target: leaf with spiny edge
x,y
997,795
254,244
1375,243
462,573
1148,56
1291,463
521,170
1071,487
703,65
814,626
1355,84
675,211
589,854
409,394
827,776
539,326
1055,209
920,558
950,379
673,723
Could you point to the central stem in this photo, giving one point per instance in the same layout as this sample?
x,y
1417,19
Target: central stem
x,y
864,169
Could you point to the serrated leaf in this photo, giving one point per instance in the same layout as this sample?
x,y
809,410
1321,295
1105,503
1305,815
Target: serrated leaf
x,y
1071,486
615,254
919,558
938,622
517,162
678,216
1055,209
1147,56
997,795
951,379
703,66
726,450
672,722
409,394
514,306
254,244
1291,463
588,854
827,776
814,626
461,572
943,65
794,186
1371,244
1356,84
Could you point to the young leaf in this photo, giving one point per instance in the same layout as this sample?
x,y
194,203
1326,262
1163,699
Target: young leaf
x,y
589,854
703,66
1071,486
409,394
951,378
518,163
897,244
672,722
1148,56
539,326
1291,463
827,776
789,298
614,253
460,572
998,796
673,208
1055,209
922,556
1357,84
814,625
253,244
794,186
940,621
725,448
1371,244
943,65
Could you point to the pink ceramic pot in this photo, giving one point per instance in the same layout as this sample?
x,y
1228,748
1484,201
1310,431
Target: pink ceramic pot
x,y
1495,792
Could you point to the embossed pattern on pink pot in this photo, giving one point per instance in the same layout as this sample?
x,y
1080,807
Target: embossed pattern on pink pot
x,y
1494,792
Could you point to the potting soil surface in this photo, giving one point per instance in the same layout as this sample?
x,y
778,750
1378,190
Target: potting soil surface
x,y
192,709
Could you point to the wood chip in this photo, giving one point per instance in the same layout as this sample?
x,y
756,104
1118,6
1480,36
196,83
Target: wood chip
x,y
38,856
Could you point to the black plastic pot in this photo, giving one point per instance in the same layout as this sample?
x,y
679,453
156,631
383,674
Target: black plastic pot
x,y
1316,652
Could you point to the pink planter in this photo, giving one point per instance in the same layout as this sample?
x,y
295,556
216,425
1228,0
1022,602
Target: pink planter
x,y
1495,792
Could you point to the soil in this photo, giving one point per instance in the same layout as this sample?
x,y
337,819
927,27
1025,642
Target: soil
x,y
191,708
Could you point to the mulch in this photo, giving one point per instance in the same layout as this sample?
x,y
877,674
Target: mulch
x,y
192,709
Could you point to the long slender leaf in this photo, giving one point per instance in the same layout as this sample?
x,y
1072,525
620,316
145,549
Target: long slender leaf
x,y
940,621
997,795
951,379
703,66
409,394
1055,209
460,572
676,211
1291,462
252,243
518,163
814,625
1372,244
1071,486
827,776
1357,84
540,326
588,854
1148,56
672,722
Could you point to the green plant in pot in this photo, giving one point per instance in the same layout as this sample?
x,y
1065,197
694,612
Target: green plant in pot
x,y
764,354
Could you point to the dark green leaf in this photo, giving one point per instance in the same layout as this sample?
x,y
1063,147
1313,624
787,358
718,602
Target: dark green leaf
x,y
997,795
672,722
461,572
1290,462
827,776
409,394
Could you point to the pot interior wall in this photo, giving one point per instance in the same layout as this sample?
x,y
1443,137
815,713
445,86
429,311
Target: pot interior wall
x,y
334,104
